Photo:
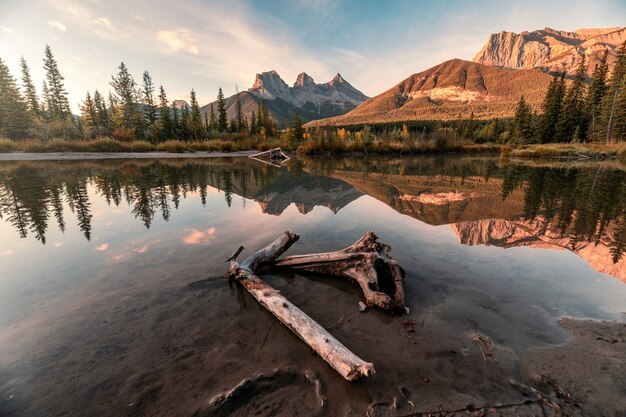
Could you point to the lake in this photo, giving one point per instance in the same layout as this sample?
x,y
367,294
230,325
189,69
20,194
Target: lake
x,y
113,300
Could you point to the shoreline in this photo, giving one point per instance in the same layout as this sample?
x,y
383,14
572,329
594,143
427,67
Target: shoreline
x,y
74,156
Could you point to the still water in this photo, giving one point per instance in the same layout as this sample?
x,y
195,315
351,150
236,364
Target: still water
x,y
112,300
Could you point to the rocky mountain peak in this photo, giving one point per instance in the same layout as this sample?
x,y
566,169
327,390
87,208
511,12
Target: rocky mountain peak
x,y
338,79
303,80
269,85
550,49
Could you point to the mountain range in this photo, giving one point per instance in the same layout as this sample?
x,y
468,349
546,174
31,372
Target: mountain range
x,y
508,66
453,89
551,50
305,98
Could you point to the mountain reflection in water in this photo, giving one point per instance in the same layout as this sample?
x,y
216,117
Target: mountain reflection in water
x,y
486,201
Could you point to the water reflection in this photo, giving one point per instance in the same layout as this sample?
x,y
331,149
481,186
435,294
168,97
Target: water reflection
x,y
486,201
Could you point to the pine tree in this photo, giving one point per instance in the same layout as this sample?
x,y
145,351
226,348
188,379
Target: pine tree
x,y
298,131
212,119
185,131
253,126
30,93
195,120
148,100
102,113
595,94
14,116
222,119
552,104
572,116
165,117
58,104
238,111
176,128
522,124
606,130
89,116
115,115
126,93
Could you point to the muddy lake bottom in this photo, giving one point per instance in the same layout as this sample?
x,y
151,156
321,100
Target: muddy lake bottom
x,y
113,300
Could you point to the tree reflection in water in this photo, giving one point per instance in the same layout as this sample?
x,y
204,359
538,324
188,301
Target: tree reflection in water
x,y
587,204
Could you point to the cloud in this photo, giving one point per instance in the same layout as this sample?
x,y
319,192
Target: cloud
x,y
54,24
103,247
138,17
104,22
179,39
200,237
57,244
8,252
4,29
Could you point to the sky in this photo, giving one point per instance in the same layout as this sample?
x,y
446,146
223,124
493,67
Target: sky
x,y
205,44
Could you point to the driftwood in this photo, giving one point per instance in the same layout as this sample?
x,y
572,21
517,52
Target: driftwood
x,y
367,262
275,157
345,362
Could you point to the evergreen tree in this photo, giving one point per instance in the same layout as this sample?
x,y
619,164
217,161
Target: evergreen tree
x,y
126,93
148,100
253,126
115,115
30,93
102,113
14,117
89,116
176,127
184,123
212,119
57,103
195,120
571,118
522,124
222,119
165,117
552,105
298,131
595,94
238,111
606,130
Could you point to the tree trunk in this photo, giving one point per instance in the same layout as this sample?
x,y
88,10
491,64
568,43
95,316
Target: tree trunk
x,y
367,262
350,366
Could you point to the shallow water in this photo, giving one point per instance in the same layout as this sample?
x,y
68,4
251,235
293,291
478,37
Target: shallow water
x,y
112,301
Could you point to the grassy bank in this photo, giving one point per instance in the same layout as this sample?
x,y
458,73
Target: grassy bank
x,y
317,147
573,151
111,145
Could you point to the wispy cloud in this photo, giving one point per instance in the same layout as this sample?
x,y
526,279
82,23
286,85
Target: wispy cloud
x,y
4,29
104,22
142,249
8,252
138,18
56,25
179,40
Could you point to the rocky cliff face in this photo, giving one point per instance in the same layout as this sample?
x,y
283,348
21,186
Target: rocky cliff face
x,y
305,93
305,98
550,50
538,233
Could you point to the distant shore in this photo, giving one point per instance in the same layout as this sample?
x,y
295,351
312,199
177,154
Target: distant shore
x,y
107,149
71,156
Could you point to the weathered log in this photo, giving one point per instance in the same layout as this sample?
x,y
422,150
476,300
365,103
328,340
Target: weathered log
x,y
345,362
367,262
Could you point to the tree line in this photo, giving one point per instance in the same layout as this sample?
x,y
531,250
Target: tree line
x,y
583,112
129,111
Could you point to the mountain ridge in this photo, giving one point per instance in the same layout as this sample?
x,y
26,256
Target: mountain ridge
x,y
452,89
305,98
550,50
